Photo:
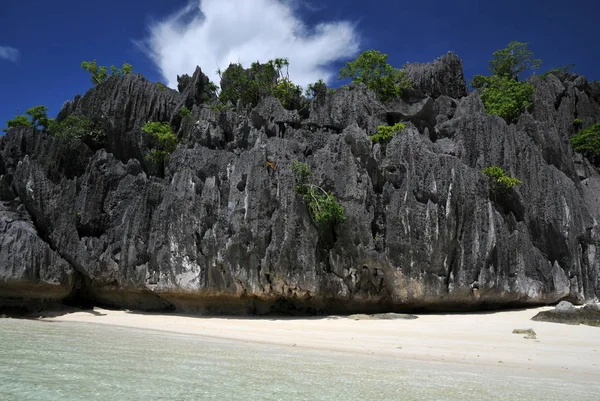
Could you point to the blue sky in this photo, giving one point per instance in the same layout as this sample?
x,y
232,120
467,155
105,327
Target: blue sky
x,y
42,43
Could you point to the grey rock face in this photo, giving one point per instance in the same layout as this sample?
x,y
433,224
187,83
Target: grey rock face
x,y
442,77
30,270
222,230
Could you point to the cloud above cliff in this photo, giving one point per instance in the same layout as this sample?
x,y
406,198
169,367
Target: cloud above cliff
x,y
214,33
9,53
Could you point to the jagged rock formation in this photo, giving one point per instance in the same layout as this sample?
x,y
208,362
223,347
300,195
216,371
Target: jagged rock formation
x,y
221,231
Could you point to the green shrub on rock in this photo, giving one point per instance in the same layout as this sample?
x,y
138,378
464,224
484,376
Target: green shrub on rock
x,y
505,97
513,60
385,132
259,81
77,128
167,141
36,117
316,89
499,180
323,207
502,94
559,70
587,141
184,112
19,121
102,73
372,69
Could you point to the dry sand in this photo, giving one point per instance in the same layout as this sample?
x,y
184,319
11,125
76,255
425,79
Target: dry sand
x,y
475,339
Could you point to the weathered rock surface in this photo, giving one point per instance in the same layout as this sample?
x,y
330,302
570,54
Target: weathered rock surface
x,y
221,231
566,313
442,77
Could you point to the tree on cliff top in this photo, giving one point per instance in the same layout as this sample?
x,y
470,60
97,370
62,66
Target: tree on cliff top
x,y
514,59
372,69
260,80
502,94
102,73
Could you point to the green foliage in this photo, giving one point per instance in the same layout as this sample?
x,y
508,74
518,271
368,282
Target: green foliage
x,y
212,87
316,89
385,132
499,180
36,117
184,112
323,207
503,96
39,116
102,73
77,128
167,141
587,141
161,86
372,69
577,122
261,80
287,92
511,61
19,121
560,70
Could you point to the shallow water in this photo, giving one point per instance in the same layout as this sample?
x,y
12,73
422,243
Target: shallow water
x,y
73,361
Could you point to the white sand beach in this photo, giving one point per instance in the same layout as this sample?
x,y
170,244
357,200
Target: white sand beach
x,y
477,339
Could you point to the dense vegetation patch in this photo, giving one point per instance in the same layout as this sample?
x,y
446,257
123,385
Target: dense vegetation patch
x,y
70,129
36,117
78,128
323,207
101,73
166,140
261,80
372,69
587,141
502,94
385,133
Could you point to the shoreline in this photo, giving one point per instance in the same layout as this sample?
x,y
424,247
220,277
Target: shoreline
x,y
482,339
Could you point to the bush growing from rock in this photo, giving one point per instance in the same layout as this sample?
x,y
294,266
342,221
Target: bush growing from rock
x,y
167,141
587,141
77,128
506,97
259,81
513,60
560,70
323,207
184,112
502,94
318,88
19,121
372,69
499,180
36,117
102,73
385,132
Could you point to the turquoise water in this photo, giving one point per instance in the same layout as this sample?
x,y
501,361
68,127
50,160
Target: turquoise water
x,y
76,361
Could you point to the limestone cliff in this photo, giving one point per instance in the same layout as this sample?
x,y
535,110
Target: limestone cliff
x,y
220,231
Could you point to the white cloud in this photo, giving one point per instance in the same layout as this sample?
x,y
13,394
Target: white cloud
x,y
214,33
9,53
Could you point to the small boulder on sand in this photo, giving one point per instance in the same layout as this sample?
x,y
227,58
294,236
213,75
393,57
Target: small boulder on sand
x,y
383,316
